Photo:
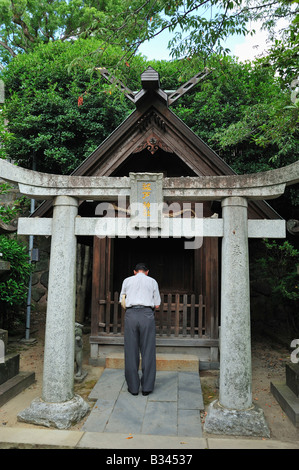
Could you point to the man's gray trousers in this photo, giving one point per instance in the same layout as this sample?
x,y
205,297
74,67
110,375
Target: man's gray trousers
x,y
140,337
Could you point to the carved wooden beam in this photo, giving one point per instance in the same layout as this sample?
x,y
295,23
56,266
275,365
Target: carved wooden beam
x,y
112,79
150,80
152,144
188,85
146,120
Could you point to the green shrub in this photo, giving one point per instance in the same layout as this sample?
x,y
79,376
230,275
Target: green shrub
x,y
14,284
278,266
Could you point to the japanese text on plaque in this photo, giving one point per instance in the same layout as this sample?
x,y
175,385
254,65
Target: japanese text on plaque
x,y
146,192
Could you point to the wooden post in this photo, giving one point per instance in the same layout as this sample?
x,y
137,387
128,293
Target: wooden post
x,y
169,300
185,302
95,307
115,312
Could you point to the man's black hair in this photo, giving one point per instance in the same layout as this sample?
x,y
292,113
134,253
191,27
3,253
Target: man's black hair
x,y
141,267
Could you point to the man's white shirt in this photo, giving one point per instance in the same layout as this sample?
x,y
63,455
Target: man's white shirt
x,y
140,289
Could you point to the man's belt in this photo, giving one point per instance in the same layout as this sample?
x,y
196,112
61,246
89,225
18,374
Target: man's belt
x,y
140,306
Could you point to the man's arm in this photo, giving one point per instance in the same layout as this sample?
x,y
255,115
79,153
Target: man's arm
x,y
123,290
157,297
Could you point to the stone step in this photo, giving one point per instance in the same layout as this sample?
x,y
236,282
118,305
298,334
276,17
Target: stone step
x,y
176,362
9,368
292,377
287,400
15,385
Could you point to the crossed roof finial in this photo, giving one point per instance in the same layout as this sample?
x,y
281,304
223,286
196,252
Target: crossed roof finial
x,y
150,80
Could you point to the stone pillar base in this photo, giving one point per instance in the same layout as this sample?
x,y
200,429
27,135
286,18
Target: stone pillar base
x,y
250,422
58,415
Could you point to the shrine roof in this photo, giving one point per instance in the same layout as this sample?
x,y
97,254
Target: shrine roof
x,y
153,120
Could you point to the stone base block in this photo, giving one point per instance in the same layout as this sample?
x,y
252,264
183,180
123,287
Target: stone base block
x,y
288,401
292,378
57,415
15,385
251,422
10,368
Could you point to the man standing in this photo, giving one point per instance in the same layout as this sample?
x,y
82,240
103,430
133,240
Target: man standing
x,y
142,296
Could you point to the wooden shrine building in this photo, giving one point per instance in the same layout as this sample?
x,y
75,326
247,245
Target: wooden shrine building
x,y
154,140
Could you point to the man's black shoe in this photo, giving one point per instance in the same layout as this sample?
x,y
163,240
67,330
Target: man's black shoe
x,y
146,393
132,393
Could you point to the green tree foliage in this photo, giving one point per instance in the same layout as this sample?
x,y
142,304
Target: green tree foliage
x,y
283,54
13,284
13,290
25,24
278,267
266,122
60,114
198,26
240,110
9,213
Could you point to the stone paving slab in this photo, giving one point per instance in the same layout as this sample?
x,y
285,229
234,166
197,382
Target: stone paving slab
x,y
35,438
173,409
160,419
189,423
135,442
38,437
99,416
190,394
127,414
108,386
166,387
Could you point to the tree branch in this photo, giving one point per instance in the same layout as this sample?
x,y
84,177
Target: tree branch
x,y
17,20
9,49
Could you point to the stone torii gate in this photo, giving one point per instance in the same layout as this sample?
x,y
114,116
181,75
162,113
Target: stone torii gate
x,y
234,413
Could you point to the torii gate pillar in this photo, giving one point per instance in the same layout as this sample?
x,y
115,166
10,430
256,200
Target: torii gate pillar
x,y
60,323
235,388
59,406
234,412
